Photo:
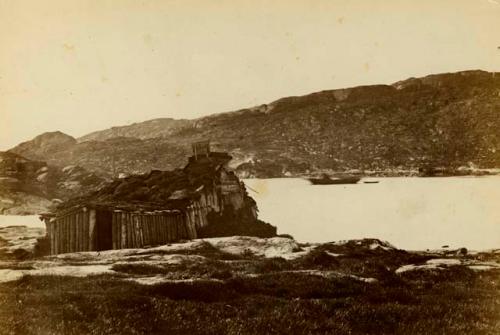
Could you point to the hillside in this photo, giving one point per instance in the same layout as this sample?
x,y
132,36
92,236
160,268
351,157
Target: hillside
x,y
28,187
45,146
148,129
444,120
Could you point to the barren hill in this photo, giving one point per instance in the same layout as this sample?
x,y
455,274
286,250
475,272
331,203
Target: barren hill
x,y
447,120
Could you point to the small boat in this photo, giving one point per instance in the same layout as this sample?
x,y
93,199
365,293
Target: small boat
x,y
326,180
371,182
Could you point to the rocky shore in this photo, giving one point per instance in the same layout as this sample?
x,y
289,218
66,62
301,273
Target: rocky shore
x,y
246,285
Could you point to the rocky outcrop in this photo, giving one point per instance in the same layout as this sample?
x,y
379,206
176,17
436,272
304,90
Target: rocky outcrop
x,y
31,187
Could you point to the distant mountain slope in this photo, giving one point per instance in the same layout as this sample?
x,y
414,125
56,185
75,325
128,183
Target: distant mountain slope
x,y
148,129
45,145
446,120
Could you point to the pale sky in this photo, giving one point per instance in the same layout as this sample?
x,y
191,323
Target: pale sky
x,y
80,66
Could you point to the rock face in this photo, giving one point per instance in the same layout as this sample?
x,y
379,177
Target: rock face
x,y
446,120
28,187
17,171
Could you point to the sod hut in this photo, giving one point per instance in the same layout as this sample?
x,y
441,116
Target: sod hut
x,y
204,199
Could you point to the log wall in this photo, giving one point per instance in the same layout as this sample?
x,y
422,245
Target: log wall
x,y
79,230
137,230
87,229
70,232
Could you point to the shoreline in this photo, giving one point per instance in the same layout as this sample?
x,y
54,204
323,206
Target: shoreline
x,y
251,285
35,223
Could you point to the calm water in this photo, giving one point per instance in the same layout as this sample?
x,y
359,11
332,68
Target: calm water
x,y
411,213
20,220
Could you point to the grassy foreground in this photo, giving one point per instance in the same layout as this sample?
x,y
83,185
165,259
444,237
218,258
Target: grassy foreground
x,y
334,289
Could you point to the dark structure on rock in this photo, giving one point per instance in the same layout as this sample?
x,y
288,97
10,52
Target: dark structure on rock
x,y
204,199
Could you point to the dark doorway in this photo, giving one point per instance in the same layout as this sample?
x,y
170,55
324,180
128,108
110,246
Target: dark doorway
x,y
104,240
